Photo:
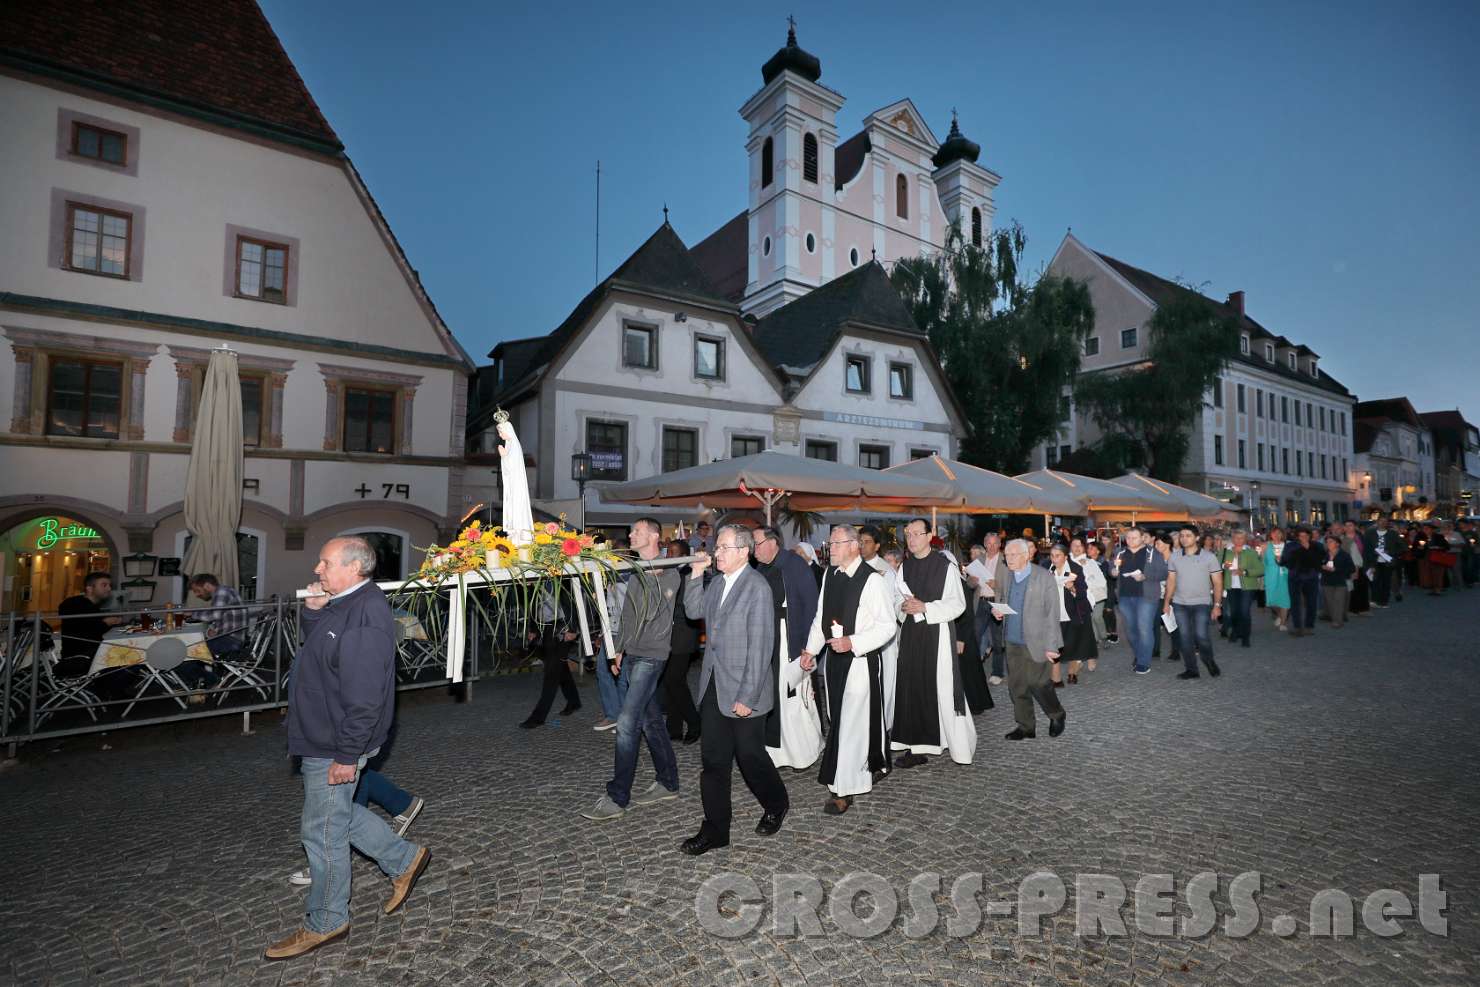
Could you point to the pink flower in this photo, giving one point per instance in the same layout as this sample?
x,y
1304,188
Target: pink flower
x,y
552,528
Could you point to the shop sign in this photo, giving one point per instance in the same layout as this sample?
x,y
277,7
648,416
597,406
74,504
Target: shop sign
x,y
53,531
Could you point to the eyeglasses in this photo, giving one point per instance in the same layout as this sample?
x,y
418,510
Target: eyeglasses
x,y
845,541
726,548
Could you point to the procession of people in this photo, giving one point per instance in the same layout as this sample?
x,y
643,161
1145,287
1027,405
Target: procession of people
x,y
852,661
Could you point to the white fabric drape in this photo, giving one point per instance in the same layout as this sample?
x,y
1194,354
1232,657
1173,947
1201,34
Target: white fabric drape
x,y
213,485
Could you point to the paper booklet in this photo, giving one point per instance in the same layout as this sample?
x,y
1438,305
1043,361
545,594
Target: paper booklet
x,y
1002,609
906,591
1169,621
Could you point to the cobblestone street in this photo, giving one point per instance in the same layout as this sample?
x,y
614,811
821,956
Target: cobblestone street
x,y
1346,761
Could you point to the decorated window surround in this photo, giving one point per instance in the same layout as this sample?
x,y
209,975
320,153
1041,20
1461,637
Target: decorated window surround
x,y
34,349
190,370
337,379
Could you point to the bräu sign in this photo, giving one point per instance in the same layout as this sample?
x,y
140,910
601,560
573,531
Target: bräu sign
x,y
53,530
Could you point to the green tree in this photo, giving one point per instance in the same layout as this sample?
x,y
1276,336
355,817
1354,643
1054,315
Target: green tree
x,y
1147,411
1009,348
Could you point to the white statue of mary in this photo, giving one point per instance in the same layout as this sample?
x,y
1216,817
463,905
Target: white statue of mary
x,y
518,518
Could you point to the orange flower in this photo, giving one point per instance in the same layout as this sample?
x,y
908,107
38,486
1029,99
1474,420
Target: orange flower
x,y
571,547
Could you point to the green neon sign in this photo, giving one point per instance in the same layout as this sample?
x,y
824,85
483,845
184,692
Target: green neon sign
x,y
53,531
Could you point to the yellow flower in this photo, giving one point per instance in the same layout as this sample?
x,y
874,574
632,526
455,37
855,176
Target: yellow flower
x,y
458,545
543,538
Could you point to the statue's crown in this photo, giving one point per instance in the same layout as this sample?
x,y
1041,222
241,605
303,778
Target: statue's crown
x,y
500,416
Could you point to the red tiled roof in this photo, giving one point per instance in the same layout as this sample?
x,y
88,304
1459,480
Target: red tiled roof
x,y
722,257
216,55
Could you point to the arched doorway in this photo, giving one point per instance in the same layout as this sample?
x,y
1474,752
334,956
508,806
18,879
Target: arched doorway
x,y
46,557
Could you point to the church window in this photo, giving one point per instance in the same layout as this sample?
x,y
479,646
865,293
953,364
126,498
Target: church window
x,y
766,247
767,167
809,158
811,244
976,227
902,197
853,257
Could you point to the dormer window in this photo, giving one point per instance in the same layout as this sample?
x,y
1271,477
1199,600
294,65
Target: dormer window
x,y
1269,352
1243,344
1313,371
1291,358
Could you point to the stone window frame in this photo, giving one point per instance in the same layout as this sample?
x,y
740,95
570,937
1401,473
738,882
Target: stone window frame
x,y
59,242
190,372
234,236
654,332
338,379
33,350
67,122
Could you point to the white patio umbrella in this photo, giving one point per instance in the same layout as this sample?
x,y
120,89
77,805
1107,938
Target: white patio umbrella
x,y
765,478
213,485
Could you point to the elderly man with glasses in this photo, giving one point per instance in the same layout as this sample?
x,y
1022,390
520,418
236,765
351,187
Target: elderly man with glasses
x,y
734,687
855,619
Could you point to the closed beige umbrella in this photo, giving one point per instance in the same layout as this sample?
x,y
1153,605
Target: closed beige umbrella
x,y
213,485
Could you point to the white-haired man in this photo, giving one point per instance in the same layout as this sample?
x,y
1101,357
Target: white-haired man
x,y
340,706
1033,638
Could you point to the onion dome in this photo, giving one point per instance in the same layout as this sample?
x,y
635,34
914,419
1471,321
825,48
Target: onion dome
x,y
956,147
792,58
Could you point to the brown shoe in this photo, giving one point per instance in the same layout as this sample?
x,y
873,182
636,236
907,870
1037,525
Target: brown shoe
x,y
401,886
302,941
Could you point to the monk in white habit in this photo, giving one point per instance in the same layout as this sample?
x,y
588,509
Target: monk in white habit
x,y
930,712
854,621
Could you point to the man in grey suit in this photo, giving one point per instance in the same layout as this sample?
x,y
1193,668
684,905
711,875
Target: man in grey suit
x,y
740,633
1033,639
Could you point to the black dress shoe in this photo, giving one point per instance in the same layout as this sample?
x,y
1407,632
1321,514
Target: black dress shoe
x,y
570,708
770,823
1213,668
1058,685
1172,657
675,735
1188,675
1020,734
837,805
909,759
531,723
1056,725
692,738
1245,642
701,843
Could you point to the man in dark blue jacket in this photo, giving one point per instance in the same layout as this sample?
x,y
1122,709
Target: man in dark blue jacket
x,y
340,706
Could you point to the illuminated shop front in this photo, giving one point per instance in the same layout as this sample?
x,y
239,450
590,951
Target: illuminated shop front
x,y
46,559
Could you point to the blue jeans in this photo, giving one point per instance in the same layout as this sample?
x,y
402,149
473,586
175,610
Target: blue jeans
x,y
611,690
992,641
1193,622
376,787
641,716
332,823
1138,613
1240,608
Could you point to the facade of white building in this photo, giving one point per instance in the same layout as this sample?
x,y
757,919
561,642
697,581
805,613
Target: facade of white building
x,y
1395,460
778,331
1456,462
1275,435
157,207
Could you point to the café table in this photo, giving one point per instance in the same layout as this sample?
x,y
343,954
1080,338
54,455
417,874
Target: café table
x,y
155,655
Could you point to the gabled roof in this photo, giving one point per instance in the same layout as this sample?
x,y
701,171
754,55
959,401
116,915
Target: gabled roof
x,y
1162,291
661,266
722,256
1387,409
219,56
1364,433
797,335
1445,419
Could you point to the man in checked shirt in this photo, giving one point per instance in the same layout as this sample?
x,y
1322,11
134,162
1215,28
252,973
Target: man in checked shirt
x,y
226,625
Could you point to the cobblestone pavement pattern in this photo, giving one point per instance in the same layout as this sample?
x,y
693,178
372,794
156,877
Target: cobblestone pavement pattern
x,y
1346,760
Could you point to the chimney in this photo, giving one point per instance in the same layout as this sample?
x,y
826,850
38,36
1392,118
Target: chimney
x,y
1236,301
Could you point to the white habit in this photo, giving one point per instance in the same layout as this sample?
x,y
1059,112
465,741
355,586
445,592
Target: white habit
x,y
957,731
889,657
801,730
873,627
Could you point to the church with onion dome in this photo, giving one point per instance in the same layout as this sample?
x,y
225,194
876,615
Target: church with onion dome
x,y
818,206
778,331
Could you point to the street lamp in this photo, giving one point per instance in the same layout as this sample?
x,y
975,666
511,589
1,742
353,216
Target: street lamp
x,y
580,471
1256,509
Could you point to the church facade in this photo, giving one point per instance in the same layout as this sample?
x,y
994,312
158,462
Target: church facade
x,y
780,330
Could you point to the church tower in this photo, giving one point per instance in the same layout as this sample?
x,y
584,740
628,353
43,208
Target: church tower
x,y
965,187
792,201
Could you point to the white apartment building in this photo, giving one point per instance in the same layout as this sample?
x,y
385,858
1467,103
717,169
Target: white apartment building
x,y
171,187
1274,436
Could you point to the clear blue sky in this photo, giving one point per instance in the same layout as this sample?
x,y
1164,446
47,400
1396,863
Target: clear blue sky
x,y
1320,156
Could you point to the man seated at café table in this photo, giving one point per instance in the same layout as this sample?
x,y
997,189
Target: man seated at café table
x,y
225,633
84,623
